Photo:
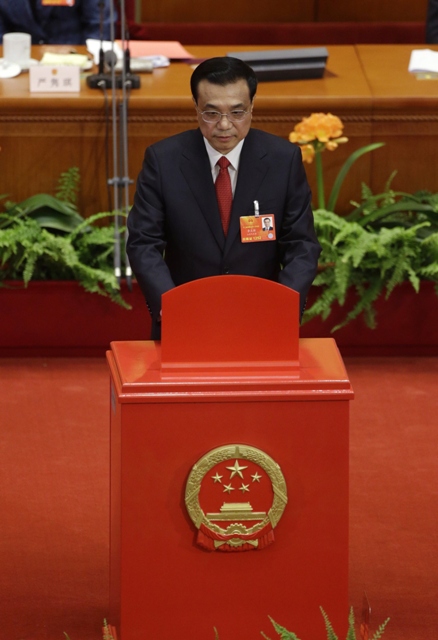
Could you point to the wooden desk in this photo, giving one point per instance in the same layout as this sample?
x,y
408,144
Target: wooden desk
x,y
404,116
42,135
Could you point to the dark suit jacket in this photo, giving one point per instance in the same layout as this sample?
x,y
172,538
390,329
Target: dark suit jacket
x,y
54,25
432,22
175,212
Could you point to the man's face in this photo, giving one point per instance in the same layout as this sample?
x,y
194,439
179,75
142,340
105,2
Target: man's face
x,y
224,135
267,222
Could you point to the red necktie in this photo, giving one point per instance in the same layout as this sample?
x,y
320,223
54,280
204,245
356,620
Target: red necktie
x,y
224,193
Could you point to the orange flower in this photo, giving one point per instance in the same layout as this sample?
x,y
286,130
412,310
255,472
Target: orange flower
x,y
331,145
318,126
316,133
308,153
319,131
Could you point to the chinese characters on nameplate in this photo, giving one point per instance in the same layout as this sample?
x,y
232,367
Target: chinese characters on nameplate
x,y
54,79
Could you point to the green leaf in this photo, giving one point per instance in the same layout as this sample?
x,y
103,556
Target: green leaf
x,y
389,181
345,169
48,211
331,635
351,634
282,632
41,200
396,207
51,219
378,634
68,185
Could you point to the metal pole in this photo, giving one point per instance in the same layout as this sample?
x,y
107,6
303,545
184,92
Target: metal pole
x,y
115,179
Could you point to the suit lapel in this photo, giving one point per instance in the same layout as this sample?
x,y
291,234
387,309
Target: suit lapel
x,y
252,170
195,166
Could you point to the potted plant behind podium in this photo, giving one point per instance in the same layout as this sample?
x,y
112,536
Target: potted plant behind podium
x,y
378,273
53,262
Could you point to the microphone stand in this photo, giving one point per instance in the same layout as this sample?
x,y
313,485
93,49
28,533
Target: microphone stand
x,y
121,181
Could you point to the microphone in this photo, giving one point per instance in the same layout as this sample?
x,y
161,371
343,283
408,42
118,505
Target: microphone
x,y
100,79
108,59
131,79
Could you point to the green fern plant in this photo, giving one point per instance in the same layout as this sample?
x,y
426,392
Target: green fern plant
x,y
45,238
68,185
282,632
388,239
57,213
395,208
331,635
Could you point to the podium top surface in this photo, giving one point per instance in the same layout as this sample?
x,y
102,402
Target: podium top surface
x,y
138,376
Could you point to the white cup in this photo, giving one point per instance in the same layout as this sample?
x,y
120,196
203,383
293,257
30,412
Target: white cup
x,y
16,48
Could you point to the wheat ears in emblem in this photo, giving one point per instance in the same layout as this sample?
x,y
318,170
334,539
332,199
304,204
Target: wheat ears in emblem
x,y
235,496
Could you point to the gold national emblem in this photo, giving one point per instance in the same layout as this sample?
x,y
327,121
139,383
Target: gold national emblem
x,y
235,496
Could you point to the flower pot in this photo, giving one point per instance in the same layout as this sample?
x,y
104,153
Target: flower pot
x,y
407,324
60,318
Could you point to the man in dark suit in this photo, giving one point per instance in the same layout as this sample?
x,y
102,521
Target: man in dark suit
x,y
175,229
71,23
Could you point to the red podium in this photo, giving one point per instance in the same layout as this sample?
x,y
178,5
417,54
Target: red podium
x,y
229,470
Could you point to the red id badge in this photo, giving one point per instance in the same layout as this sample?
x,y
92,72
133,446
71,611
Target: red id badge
x,y
58,3
257,228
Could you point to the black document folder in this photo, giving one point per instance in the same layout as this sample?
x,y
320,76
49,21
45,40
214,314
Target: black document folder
x,y
285,64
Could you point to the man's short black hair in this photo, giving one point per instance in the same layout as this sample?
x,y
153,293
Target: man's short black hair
x,y
223,70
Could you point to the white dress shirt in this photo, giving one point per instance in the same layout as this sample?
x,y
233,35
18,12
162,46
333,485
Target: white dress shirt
x,y
233,156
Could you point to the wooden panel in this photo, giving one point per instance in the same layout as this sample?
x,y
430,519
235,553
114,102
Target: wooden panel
x,y
36,150
405,117
371,10
229,10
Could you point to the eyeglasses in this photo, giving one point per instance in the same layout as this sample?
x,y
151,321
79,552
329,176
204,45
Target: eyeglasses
x,y
237,115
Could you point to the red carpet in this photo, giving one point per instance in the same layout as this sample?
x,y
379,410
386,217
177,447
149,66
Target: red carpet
x,y
54,497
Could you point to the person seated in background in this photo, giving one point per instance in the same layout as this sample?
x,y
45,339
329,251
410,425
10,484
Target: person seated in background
x,y
48,22
432,22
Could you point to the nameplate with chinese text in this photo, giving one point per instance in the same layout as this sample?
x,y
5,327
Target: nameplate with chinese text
x,y
45,79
